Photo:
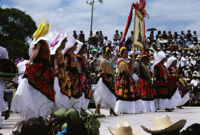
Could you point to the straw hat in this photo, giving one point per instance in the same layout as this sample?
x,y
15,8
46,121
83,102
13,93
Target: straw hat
x,y
164,124
123,128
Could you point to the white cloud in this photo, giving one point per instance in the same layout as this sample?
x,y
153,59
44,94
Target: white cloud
x,y
112,14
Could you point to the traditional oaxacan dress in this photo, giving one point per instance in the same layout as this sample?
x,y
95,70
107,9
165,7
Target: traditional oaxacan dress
x,y
35,94
105,92
183,89
128,100
145,88
74,82
161,86
85,82
174,95
63,93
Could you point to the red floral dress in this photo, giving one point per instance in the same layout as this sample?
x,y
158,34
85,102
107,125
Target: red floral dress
x,y
39,74
85,81
144,84
160,83
125,85
74,76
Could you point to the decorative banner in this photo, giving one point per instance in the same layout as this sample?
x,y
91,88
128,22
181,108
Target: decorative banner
x,y
139,30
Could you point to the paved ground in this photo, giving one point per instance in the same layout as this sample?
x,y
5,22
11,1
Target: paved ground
x,y
191,114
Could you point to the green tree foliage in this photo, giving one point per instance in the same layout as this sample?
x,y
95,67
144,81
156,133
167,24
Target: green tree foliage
x,y
16,30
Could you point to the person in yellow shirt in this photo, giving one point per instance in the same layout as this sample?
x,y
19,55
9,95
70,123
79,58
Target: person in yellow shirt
x,y
105,93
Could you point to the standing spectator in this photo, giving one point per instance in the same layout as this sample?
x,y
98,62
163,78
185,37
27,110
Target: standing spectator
x,y
159,33
82,36
175,37
151,36
164,35
195,38
101,37
95,39
75,35
116,37
182,34
189,36
170,37
90,38
121,35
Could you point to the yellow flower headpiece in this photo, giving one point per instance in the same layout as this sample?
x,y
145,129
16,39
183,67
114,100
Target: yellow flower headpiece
x,y
42,29
122,48
107,49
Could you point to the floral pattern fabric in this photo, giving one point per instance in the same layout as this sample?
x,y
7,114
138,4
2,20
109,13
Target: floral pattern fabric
x,y
144,84
39,74
85,81
125,85
74,76
63,77
161,82
109,81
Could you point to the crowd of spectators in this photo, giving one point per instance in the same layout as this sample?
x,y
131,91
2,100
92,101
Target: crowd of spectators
x,y
184,46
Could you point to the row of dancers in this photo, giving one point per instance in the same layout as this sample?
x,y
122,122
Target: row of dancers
x,y
57,76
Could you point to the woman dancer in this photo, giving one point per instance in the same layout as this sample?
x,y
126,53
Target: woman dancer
x,y
174,95
161,84
35,93
128,100
73,71
85,81
145,85
105,93
62,79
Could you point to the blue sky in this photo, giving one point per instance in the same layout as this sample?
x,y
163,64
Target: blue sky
x,y
69,15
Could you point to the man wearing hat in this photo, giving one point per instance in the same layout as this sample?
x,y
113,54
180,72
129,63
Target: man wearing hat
x,y
123,128
164,126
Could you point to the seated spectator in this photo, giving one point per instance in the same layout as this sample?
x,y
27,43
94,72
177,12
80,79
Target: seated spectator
x,y
35,126
76,127
164,126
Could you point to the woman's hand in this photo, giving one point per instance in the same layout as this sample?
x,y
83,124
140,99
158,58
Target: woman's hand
x,y
28,64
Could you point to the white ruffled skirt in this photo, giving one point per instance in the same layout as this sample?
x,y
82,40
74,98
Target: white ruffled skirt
x,y
185,98
104,96
84,102
148,106
75,103
61,100
29,102
129,106
169,103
